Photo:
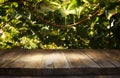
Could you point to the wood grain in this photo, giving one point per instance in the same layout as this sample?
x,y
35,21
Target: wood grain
x,y
99,76
28,59
112,56
21,62
99,58
8,57
78,59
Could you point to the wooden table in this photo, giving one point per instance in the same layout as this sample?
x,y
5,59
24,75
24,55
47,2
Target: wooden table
x,y
71,62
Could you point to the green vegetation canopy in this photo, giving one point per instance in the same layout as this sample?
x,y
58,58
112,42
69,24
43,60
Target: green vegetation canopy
x,y
58,24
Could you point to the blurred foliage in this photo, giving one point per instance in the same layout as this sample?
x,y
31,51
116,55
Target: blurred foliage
x,y
59,24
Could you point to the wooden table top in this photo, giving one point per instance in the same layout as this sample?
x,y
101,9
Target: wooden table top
x,y
64,61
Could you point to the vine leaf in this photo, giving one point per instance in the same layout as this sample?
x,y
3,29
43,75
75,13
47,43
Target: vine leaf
x,y
1,1
111,13
72,5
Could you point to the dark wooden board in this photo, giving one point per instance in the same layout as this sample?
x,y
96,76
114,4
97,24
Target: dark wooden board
x,y
112,56
99,76
78,59
59,62
98,57
8,57
2,52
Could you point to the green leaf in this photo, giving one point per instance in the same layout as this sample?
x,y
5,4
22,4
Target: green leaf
x,y
72,5
80,10
67,12
110,13
102,10
1,1
85,1
15,4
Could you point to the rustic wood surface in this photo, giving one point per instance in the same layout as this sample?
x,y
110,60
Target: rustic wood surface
x,y
100,76
60,62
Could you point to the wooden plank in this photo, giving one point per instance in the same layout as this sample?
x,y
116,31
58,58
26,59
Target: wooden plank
x,y
113,56
59,60
3,51
47,60
74,60
89,62
54,59
17,63
99,58
30,59
77,59
8,58
114,53
109,54
92,76
10,62
13,55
